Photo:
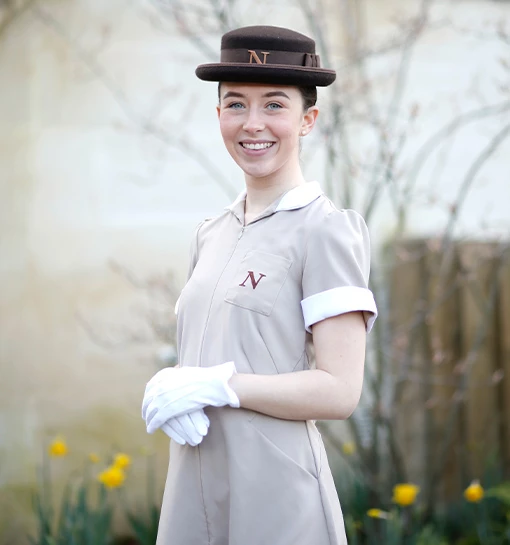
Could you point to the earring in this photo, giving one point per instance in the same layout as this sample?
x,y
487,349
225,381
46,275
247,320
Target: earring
x,y
303,132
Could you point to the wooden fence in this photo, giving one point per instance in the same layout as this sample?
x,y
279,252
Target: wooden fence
x,y
450,322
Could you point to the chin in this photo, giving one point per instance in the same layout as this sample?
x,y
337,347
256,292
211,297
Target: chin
x,y
257,173
260,169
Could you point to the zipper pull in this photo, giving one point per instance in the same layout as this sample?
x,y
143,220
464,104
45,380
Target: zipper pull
x,y
241,233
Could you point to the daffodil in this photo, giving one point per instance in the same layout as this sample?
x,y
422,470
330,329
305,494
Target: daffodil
x,y
112,477
349,448
93,458
404,494
377,514
122,461
474,492
58,448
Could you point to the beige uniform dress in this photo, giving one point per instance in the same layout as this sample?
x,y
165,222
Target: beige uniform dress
x,y
252,295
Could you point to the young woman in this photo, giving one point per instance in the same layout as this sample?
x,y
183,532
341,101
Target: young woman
x,y
272,322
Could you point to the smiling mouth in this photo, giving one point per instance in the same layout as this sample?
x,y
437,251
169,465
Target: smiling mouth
x,y
257,146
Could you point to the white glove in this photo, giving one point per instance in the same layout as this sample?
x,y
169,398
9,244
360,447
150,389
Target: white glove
x,y
188,428
174,392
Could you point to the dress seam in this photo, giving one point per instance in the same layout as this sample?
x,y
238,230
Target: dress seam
x,y
313,454
299,360
320,488
199,364
307,239
211,303
270,355
202,496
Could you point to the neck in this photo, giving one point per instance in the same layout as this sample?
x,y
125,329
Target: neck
x,y
261,192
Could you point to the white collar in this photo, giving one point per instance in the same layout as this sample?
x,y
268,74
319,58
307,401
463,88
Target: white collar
x,y
295,198
300,196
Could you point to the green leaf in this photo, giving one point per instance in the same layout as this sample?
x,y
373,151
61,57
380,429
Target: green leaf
x,y
500,492
430,536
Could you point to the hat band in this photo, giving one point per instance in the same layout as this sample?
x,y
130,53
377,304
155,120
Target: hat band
x,y
252,56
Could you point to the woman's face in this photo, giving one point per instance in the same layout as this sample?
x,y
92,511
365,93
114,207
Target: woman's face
x,y
261,126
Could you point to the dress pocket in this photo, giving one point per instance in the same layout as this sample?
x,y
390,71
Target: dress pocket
x,y
258,281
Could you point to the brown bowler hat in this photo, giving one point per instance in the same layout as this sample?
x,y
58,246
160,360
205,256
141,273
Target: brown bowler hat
x,y
267,54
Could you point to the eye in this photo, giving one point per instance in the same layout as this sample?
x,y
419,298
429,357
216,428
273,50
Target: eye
x,y
235,106
274,106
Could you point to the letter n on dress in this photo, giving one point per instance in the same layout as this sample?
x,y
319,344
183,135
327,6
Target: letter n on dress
x,y
251,276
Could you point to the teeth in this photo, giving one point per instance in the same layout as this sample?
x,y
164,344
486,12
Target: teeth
x,y
257,146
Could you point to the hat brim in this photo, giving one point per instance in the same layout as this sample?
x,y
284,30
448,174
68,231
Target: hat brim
x,y
277,74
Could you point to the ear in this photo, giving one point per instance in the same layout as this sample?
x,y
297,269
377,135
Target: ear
x,y
309,119
218,110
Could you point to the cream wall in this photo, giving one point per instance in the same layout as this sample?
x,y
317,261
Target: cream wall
x,y
82,185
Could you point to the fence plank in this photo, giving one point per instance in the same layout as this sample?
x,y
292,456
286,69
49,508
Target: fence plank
x,y
504,353
406,302
443,331
478,357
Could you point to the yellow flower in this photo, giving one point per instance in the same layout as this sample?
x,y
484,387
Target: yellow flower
x,y
377,514
474,492
122,460
58,448
404,494
112,477
349,448
93,458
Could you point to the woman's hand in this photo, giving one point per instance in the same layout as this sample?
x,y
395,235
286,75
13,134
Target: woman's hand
x,y
175,392
189,428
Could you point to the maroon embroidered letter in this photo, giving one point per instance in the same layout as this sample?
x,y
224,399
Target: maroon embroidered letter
x,y
251,276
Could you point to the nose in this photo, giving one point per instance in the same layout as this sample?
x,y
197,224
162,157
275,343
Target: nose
x,y
253,122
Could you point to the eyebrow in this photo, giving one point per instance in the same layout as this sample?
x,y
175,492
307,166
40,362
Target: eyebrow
x,y
230,94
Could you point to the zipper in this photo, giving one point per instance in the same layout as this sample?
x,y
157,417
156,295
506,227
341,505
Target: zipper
x,y
243,227
199,446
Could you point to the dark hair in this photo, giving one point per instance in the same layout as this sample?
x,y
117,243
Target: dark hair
x,y
309,95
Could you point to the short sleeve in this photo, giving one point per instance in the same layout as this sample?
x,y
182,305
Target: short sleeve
x,y
336,269
193,258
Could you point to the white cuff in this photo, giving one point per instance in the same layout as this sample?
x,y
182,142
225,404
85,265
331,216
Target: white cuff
x,y
338,301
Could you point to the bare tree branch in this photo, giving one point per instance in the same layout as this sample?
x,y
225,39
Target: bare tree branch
x,y
375,186
473,171
143,123
441,135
